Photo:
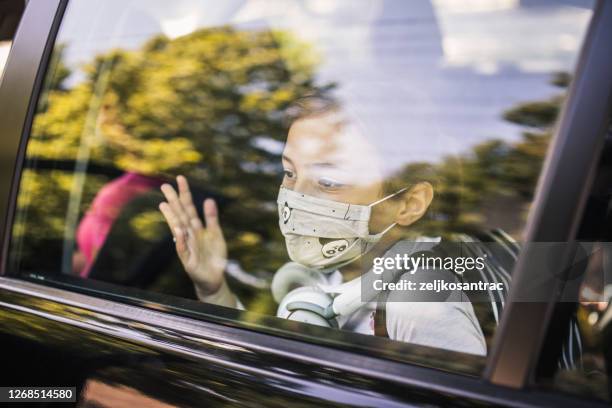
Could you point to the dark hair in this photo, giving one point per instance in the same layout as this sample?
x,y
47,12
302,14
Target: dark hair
x,y
310,105
410,175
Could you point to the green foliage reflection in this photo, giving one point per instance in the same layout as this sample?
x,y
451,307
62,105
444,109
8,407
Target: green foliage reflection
x,y
211,105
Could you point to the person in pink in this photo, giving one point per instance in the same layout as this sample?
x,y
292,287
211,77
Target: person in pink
x,y
104,210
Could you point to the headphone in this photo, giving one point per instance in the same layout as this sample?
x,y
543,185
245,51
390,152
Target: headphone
x,y
301,297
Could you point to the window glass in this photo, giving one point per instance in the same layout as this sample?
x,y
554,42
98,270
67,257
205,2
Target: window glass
x,y
314,143
5,46
10,14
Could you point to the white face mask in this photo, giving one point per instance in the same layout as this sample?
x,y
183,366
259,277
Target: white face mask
x,y
324,234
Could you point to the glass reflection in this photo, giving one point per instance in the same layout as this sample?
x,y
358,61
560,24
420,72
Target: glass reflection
x,y
442,107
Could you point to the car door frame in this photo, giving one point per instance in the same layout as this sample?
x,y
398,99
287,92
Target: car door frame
x,y
558,207
577,140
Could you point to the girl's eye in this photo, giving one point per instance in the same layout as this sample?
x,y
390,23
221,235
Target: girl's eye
x,y
289,174
329,183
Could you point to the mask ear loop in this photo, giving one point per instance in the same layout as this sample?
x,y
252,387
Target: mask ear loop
x,y
376,237
383,232
388,197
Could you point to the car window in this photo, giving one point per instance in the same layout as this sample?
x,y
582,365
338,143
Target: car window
x,y
5,46
362,166
10,14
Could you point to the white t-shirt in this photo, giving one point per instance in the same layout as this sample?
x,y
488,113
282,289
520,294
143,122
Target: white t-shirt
x,y
445,325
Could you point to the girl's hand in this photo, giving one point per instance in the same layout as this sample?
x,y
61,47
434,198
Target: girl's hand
x,y
201,249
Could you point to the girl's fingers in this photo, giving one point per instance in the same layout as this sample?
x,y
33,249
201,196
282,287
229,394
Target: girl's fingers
x,y
181,245
187,201
211,215
196,226
175,204
177,232
192,241
171,219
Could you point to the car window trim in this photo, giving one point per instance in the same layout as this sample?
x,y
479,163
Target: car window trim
x,y
19,90
381,348
80,310
559,202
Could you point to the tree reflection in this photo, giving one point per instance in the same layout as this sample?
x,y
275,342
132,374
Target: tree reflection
x,y
212,105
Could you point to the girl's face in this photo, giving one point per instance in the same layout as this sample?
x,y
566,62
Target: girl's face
x,y
329,159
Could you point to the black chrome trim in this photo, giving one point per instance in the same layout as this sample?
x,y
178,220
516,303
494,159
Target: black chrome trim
x,y
21,83
557,210
174,333
381,348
